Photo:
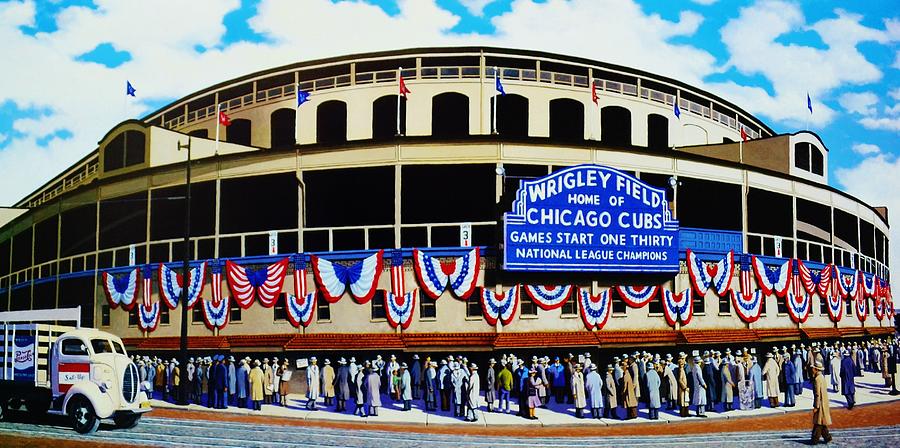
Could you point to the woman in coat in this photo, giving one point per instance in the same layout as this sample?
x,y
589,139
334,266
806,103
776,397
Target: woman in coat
x,y
373,392
534,400
578,391
284,385
593,388
653,384
256,379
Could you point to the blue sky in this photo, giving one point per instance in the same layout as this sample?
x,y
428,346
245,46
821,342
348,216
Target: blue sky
x,y
69,61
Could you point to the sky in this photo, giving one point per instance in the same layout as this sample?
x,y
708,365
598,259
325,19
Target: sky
x,y
65,63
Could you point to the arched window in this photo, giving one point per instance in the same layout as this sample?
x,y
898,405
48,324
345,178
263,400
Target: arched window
x,y
281,128
238,132
566,119
801,156
615,126
817,160
123,150
450,115
384,116
512,115
331,122
657,131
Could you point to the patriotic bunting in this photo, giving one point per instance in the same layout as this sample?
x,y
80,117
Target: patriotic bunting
x,y
549,297
595,310
813,281
300,305
869,284
122,289
716,275
171,282
748,302
400,308
637,296
248,283
772,279
434,275
848,283
861,309
148,313
878,307
678,307
798,306
362,277
215,314
498,306
835,306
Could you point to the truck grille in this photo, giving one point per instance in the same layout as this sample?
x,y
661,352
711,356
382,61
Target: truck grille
x,y
130,383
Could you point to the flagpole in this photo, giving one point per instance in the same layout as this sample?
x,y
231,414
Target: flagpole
x,y
218,111
399,91
297,117
494,105
741,151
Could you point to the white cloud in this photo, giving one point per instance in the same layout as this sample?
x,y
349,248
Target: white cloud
x,y
476,7
860,103
704,2
881,123
895,93
866,149
794,69
875,181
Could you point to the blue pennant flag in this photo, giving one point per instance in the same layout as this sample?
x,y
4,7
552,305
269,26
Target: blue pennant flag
x,y
677,111
129,89
808,102
302,97
497,84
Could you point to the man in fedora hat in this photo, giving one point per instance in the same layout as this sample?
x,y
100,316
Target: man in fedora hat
x,y
821,407
405,386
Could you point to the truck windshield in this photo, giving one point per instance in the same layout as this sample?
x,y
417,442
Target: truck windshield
x,y
101,346
119,349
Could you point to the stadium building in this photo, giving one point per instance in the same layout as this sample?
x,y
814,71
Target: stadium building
x,y
588,206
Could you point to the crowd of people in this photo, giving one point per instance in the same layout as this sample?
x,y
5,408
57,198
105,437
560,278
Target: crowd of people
x,y
707,381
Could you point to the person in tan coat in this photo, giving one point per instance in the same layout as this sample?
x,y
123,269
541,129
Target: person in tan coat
x,y
684,392
770,373
268,375
578,392
284,386
610,394
728,385
821,406
256,378
629,395
328,382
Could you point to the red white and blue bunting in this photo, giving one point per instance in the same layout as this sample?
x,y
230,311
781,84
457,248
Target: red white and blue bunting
x,y
878,307
248,283
595,310
637,296
400,308
748,302
498,306
716,275
216,311
678,307
861,307
848,283
549,297
798,306
121,289
171,282
148,313
301,305
869,284
770,280
362,277
814,281
434,275
832,298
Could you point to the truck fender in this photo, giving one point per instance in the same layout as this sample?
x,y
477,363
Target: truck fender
x,y
101,402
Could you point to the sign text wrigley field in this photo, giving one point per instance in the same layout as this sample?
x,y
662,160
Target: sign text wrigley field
x,y
590,218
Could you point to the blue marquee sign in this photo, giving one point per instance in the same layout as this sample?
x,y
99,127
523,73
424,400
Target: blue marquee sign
x,y
590,218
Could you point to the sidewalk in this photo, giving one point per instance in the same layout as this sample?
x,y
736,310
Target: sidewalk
x,y
869,389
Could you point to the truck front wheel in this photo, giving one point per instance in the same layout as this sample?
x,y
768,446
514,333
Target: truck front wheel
x,y
127,421
84,419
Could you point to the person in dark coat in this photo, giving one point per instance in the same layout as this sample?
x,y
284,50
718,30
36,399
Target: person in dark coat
x,y
415,373
848,387
709,376
211,395
221,384
789,374
342,385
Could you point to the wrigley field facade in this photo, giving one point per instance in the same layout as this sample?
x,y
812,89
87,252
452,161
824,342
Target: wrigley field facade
x,y
588,205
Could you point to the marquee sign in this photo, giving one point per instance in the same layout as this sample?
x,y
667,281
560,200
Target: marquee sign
x,y
590,218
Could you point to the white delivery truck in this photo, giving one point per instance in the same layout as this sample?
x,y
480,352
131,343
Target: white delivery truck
x,y
82,373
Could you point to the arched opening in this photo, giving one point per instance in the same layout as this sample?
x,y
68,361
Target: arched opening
x,y
801,155
512,115
450,115
817,160
238,132
282,127
331,122
384,117
657,131
566,119
615,126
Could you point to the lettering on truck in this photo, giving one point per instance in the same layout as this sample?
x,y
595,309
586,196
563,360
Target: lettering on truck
x,y
71,373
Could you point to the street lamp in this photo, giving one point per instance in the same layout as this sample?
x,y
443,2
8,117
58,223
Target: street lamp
x,y
185,270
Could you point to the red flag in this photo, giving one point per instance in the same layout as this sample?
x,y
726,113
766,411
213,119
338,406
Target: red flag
x,y
594,96
224,119
743,134
403,89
